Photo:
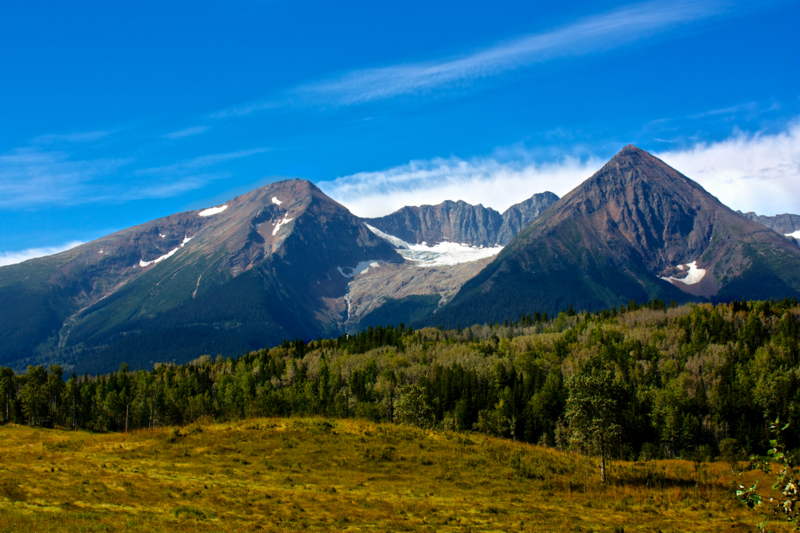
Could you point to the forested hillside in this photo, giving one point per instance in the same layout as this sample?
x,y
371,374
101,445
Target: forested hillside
x,y
692,381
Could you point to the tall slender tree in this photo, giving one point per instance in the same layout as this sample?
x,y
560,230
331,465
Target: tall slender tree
x,y
7,390
593,409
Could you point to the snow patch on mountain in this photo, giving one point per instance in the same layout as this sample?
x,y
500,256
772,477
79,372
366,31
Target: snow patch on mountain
x,y
446,253
397,243
695,274
795,235
280,223
276,201
363,266
212,211
440,254
143,263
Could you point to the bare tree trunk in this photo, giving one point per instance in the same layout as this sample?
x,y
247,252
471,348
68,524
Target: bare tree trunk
x,y
602,467
602,462
127,407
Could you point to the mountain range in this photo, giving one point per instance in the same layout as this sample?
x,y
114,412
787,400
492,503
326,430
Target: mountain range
x,y
788,225
286,261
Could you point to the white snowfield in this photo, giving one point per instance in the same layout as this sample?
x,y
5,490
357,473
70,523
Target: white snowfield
x,y
443,253
796,235
212,211
280,223
143,263
695,274
363,266
276,201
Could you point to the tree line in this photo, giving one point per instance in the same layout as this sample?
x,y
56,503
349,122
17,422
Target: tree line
x,y
638,382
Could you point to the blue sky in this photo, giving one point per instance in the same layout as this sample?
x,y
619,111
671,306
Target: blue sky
x,y
115,113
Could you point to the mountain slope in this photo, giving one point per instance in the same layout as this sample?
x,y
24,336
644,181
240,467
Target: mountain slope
x,y
265,266
637,229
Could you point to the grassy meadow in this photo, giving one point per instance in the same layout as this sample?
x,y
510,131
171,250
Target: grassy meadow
x,y
343,475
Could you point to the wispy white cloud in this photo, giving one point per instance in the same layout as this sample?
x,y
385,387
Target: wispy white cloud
x,y
749,107
592,35
31,176
742,111
174,186
12,258
75,137
750,172
187,132
250,107
201,162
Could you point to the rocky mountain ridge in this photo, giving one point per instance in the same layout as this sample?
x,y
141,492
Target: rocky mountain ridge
x,y
460,222
785,224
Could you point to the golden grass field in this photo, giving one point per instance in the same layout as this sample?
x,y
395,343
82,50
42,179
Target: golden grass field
x,y
343,475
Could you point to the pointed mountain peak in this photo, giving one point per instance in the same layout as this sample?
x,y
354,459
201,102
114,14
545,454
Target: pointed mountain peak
x,y
633,167
633,155
630,149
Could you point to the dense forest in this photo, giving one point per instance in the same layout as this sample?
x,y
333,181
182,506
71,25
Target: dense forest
x,y
692,381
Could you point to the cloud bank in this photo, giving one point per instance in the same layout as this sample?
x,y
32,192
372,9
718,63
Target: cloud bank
x,y
750,172
12,258
478,181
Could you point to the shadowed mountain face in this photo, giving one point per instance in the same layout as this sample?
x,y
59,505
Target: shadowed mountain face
x,y
460,222
637,229
263,267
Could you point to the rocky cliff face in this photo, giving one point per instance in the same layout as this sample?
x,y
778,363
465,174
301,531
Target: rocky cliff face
x,y
785,224
519,216
460,222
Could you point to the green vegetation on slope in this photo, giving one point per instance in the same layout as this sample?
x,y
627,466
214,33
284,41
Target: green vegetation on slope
x,y
694,381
